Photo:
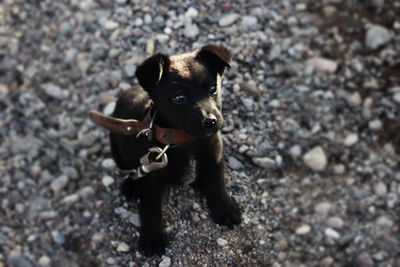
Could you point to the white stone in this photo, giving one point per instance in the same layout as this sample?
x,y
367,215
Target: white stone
x,y
55,91
303,229
44,261
111,25
350,140
222,242
323,64
375,124
71,199
191,13
377,36
107,180
329,232
122,247
295,151
316,159
108,164
228,20
248,21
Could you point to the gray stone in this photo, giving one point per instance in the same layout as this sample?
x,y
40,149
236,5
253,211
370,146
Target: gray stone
x,y
108,164
134,219
59,183
316,159
191,30
377,36
381,189
228,20
18,261
264,162
234,163
71,172
86,140
396,98
364,260
275,52
165,262
58,238
55,91
335,222
249,22
323,208
86,192
129,70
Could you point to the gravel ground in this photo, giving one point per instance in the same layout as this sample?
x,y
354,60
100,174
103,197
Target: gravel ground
x,y
312,134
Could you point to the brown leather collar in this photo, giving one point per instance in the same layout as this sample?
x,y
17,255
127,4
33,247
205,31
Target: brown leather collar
x,y
166,136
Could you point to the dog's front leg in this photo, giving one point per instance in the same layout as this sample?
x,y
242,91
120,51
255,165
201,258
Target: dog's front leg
x,y
210,176
152,239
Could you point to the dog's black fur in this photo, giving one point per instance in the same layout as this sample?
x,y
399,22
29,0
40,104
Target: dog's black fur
x,y
186,92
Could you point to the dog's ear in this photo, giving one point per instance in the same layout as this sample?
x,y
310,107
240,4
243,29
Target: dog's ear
x,y
150,72
217,56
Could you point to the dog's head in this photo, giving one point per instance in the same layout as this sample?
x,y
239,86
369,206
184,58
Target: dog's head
x,y
186,89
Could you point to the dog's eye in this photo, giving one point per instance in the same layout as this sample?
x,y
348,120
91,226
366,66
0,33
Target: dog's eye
x,y
212,89
179,98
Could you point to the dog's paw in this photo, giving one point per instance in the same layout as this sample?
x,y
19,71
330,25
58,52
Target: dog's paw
x,y
226,213
153,245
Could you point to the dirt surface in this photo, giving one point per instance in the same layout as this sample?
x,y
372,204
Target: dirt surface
x,y
312,133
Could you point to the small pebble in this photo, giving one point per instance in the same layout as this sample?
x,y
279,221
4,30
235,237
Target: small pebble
x,y
303,229
316,159
107,180
228,20
123,247
381,189
222,242
165,262
329,232
350,140
264,162
58,238
335,222
108,164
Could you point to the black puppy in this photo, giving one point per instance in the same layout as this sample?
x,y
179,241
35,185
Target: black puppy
x,y
186,92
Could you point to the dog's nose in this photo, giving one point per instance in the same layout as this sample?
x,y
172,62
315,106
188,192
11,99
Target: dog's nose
x,y
210,121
